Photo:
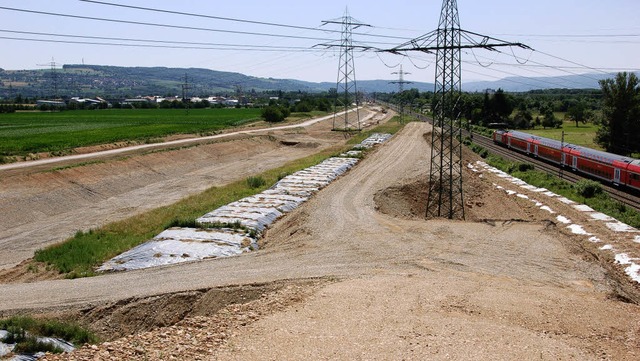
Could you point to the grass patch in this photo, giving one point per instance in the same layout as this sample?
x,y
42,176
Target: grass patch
x,y
256,182
583,135
391,127
23,331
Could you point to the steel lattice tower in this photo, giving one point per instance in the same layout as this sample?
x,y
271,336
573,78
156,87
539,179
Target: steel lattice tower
x,y
346,87
54,76
445,197
401,82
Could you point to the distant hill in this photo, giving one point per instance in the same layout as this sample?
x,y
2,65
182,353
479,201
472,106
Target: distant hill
x,y
522,84
113,81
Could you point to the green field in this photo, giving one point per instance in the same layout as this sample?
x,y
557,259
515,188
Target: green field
x,y
583,135
22,133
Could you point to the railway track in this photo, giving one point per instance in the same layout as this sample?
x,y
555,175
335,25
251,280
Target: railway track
x,y
621,196
567,174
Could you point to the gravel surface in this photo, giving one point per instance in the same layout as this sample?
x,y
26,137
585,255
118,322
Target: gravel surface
x,y
511,283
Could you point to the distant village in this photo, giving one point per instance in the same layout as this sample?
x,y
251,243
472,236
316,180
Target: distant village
x,y
145,102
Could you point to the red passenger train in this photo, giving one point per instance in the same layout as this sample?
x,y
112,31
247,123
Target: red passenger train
x,y
608,167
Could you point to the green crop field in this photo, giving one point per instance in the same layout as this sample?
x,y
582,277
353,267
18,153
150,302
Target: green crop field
x,y
22,133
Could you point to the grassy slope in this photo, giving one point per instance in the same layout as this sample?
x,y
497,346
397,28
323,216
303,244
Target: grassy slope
x,y
32,132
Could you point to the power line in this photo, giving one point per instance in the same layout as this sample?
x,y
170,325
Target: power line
x,y
206,16
541,65
182,27
564,67
159,46
149,40
573,35
236,19
162,25
570,62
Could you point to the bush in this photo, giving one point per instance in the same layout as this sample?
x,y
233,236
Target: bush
x,y
31,345
520,167
256,182
588,188
23,331
275,113
523,167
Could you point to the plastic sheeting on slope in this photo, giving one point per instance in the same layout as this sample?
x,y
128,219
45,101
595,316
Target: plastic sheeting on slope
x,y
176,245
6,349
253,214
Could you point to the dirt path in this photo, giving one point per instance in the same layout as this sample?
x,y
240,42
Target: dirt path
x,y
512,287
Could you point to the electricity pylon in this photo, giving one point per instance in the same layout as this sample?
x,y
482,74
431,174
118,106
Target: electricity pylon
x,y
401,82
54,76
445,197
346,87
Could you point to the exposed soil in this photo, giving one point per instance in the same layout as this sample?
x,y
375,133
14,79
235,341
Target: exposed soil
x,y
357,273
409,201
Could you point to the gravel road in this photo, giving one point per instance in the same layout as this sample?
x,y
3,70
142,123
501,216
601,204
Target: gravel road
x,y
404,288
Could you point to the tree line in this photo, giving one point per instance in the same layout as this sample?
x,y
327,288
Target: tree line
x,y
614,109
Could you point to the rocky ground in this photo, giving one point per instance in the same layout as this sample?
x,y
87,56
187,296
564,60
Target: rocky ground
x,y
358,273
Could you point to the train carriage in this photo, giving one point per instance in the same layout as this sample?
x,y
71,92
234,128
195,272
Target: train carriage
x,y
520,140
609,167
548,149
632,175
500,136
602,165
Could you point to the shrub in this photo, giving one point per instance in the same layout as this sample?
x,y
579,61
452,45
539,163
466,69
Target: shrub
x,y
275,113
255,182
523,167
520,167
23,331
588,188
31,345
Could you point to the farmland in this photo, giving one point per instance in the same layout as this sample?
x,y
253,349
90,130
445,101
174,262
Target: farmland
x,y
23,133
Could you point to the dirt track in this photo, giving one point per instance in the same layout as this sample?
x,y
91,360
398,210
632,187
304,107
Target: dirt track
x,y
512,287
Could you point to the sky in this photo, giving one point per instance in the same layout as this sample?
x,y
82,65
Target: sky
x,y
568,36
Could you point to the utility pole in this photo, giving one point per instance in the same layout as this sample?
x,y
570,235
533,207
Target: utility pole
x,y
445,197
346,87
401,82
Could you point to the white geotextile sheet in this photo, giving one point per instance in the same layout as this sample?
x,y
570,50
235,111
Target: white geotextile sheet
x,y
179,245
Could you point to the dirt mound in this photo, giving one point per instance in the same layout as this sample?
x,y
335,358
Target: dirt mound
x,y
136,315
409,201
